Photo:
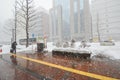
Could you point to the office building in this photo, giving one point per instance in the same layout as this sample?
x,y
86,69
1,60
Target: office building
x,y
73,19
106,19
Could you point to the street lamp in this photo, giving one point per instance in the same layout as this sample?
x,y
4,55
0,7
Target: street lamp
x,y
15,17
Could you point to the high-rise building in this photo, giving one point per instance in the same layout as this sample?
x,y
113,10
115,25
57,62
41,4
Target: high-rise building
x,y
80,20
56,24
106,19
71,18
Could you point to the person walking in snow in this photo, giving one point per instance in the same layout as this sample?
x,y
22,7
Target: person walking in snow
x,y
13,46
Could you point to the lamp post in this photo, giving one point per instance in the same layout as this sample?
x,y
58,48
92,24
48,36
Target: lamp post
x,y
91,29
15,18
13,36
98,27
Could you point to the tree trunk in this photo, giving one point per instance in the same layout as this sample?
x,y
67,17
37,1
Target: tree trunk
x,y
27,36
27,26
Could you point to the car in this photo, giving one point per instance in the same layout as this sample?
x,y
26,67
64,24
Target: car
x,y
0,48
107,43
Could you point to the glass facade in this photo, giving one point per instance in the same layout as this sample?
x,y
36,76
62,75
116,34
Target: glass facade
x,y
54,22
76,16
81,4
78,11
65,5
82,29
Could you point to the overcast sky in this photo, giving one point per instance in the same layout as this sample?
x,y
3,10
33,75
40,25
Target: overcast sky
x,y
7,7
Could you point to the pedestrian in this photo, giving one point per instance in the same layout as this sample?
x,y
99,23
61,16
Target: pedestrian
x,y
72,43
13,47
83,44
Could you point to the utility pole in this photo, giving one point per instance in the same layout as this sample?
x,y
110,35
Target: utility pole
x,y
15,19
98,27
15,23
13,35
91,29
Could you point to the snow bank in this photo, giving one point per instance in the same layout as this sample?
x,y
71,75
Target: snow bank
x,y
20,48
5,49
50,46
28,50
112,51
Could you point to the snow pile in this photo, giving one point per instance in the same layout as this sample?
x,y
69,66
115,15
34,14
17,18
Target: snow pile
x,y
50,46
6,49
112,52
73,50
108,51
21,48
29,49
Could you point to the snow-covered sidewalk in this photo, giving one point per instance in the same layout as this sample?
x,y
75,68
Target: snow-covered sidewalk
x,y
112,52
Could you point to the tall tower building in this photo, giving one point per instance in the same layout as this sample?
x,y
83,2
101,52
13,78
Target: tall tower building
x,y
80,19
106,19
56,24
71,18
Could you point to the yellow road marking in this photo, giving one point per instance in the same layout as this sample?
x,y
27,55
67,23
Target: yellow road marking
x,y
68,69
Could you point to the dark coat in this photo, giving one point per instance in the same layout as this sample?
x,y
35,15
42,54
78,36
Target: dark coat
x,y
14,45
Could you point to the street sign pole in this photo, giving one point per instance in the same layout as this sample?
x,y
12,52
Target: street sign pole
x,y
32,41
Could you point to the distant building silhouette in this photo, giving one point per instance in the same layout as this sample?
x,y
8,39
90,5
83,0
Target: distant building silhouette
x,y
70,19
106,16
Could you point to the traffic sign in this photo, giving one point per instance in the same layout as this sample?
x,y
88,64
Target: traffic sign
x,y
33,35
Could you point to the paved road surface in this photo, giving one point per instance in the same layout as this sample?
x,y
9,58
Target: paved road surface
x,y
13,68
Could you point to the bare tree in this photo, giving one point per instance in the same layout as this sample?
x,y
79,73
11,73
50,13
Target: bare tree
x,y
27,16
8,26
9,29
